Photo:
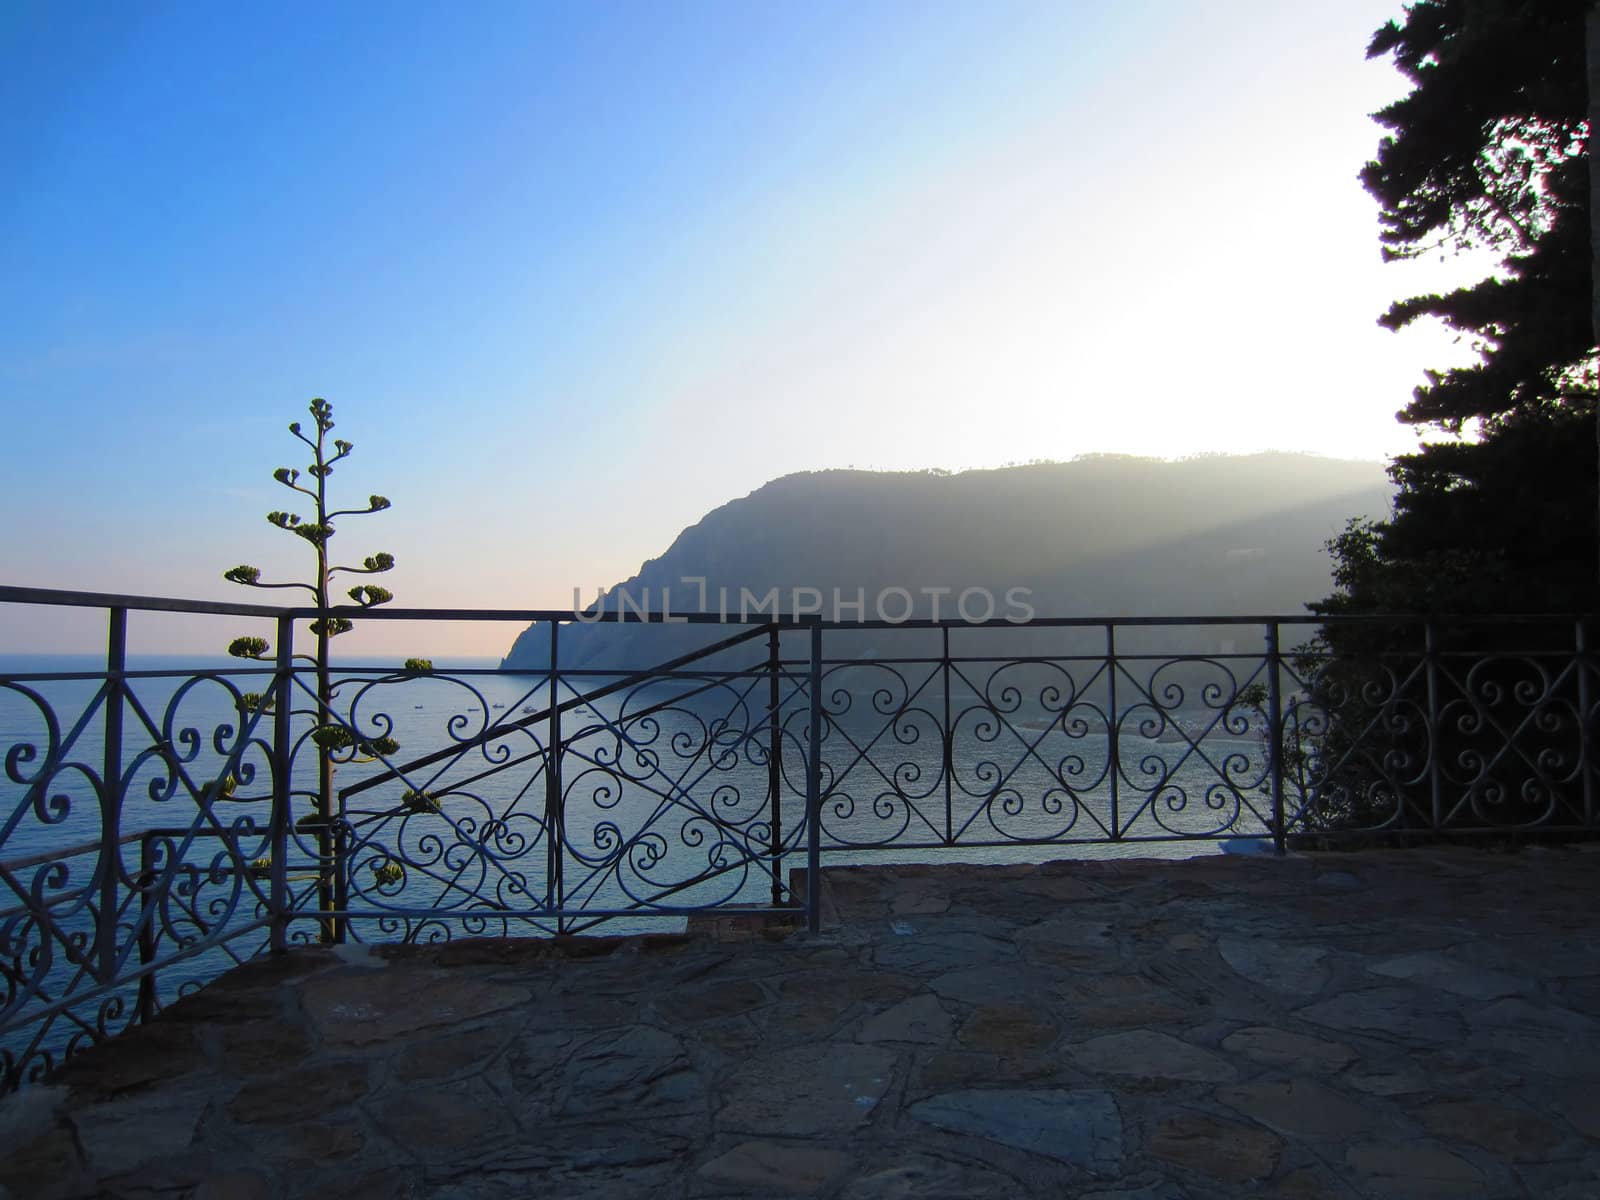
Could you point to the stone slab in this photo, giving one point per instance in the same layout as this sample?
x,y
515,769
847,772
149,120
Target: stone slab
x,y
1457,978
1298,1107
920,1019
913,1175
1280,1048
634,1070
1080,1127
809,1090
1510,1133
1231,1151
773,1167
357,1008
1289,970
1397,1012
1417,1170
1148,1054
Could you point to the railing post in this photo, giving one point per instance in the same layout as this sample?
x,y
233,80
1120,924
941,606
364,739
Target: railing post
x,y
1114,732
110,865
814,787
341,875
949,741
775,763
328,866
1585,725
280,819
1275,738
147,935
1431,663
553,832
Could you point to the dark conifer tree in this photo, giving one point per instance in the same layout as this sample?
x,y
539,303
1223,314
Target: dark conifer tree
x,y
1487,151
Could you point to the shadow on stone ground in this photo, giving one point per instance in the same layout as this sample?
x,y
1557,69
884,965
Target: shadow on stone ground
x,y
1392,1023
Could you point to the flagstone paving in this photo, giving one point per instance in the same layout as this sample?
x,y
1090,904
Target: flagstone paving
x,y
1409,1023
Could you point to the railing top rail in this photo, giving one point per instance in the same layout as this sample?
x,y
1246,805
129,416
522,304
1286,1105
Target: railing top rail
x,y
808,620
67,598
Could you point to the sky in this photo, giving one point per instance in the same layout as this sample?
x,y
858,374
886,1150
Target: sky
x,y
573,275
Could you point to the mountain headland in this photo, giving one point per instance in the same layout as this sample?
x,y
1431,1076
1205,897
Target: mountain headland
x,y
1101,536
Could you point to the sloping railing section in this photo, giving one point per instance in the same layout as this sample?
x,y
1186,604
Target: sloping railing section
x,y
161,821
599,797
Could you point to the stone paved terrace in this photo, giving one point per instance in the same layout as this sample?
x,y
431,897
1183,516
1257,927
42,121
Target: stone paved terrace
x,y
1396,1023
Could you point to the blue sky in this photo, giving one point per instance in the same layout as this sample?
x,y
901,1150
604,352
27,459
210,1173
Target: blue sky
x,y
572,275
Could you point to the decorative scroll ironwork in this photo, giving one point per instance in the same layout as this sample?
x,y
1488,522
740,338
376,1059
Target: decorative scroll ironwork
x,y
1426,739
159,826
657,801
1044,751
125,855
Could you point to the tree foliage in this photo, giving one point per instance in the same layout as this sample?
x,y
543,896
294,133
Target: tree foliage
x,y
1488,152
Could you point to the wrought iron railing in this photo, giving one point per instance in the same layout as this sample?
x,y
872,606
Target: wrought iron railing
x,y
162,822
